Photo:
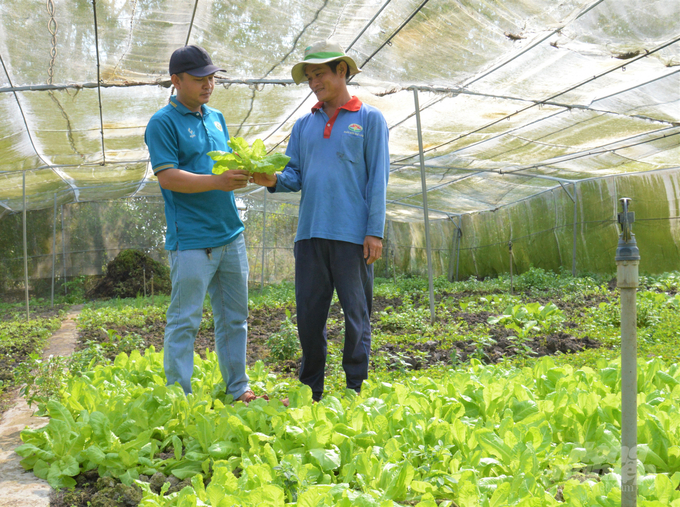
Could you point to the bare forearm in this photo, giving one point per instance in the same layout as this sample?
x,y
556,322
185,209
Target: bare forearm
x,y
185,182
191,183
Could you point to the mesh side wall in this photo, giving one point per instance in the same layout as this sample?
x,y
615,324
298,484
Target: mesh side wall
x,y
541,230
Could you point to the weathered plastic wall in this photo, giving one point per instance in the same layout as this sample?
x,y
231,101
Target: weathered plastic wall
x,y
542,234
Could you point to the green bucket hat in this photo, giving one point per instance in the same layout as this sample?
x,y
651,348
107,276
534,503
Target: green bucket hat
x,y
322,52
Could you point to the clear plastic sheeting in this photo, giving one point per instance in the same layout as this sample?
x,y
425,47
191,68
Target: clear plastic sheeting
x,y
516,97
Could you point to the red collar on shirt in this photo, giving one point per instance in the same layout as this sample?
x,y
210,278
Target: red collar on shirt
x,y
354,104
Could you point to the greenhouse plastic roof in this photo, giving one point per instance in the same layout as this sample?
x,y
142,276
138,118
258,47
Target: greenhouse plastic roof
x,y
515,96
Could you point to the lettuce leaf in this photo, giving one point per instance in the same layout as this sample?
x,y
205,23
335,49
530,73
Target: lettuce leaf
x,y
253,159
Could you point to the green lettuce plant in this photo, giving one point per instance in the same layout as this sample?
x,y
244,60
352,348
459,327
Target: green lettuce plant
x,y
526,318
253,159
479,436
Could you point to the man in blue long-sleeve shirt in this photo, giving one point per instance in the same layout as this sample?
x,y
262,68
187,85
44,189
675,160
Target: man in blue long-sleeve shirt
x,y
339,159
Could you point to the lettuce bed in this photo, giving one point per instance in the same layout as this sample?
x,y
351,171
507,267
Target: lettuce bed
x,y
484,436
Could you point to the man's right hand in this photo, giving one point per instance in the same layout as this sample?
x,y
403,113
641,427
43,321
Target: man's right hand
x,y
264,179
232,180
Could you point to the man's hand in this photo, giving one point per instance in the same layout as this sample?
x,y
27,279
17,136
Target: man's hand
x,y
231,180
264,179
372,249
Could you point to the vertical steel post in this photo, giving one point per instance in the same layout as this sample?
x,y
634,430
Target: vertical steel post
x,y
63,251
386,250
54,247
454,259
425,209
460,235
627,261
512,288
23,220
573,254
264,234
452,254
394,251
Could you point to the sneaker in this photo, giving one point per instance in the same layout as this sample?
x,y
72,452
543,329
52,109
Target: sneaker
x,y
249,396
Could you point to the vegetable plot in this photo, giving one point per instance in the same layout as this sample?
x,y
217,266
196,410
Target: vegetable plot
x,y
485,436
252,159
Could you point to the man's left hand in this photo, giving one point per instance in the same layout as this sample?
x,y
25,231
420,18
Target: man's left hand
x,y
372,249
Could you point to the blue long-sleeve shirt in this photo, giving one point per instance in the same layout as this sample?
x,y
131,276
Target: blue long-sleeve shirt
x,y
341,165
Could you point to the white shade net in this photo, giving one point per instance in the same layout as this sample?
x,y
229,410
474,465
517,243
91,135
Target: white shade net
x,y
515,96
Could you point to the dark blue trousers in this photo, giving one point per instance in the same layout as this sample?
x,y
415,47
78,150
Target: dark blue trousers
x,y
322,265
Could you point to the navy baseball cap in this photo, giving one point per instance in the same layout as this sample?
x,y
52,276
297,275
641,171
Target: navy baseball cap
x,y
193,60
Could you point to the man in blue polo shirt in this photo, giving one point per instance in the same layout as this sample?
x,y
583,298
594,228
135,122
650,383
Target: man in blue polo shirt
x,y
204,231
340,161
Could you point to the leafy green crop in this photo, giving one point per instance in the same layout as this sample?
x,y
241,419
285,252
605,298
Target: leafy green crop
x,y
284,345
252,159
90,318
526,317
485,436
19,339
468,436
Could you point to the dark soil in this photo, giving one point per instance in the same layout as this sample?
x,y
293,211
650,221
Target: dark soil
x,y
417,356
94,491
263,322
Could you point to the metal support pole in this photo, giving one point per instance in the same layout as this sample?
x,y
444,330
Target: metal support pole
x,y
23,220
63,251
627,261
54,247
386,250
425,209
264,236
573,254
394,251
454,258
512,287
452,255
460,235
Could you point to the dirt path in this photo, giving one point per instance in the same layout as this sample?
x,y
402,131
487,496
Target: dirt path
x,y
20,488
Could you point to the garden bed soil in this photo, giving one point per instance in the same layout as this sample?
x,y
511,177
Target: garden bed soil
x,y
419,356
264,322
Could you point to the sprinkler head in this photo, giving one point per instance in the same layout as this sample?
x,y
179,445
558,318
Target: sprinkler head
x,y
627,249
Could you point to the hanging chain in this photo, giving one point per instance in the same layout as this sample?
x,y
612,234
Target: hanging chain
x,y
52,27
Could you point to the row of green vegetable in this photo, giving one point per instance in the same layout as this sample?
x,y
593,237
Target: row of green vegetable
x,y
480,436
483,435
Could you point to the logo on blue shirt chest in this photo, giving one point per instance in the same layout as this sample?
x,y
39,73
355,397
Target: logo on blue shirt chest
x,y
355,129
192,133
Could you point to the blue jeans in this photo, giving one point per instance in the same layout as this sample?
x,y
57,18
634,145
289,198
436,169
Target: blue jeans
x,y
225,277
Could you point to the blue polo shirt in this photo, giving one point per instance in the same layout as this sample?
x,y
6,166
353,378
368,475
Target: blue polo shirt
x,y
341,165
179,138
